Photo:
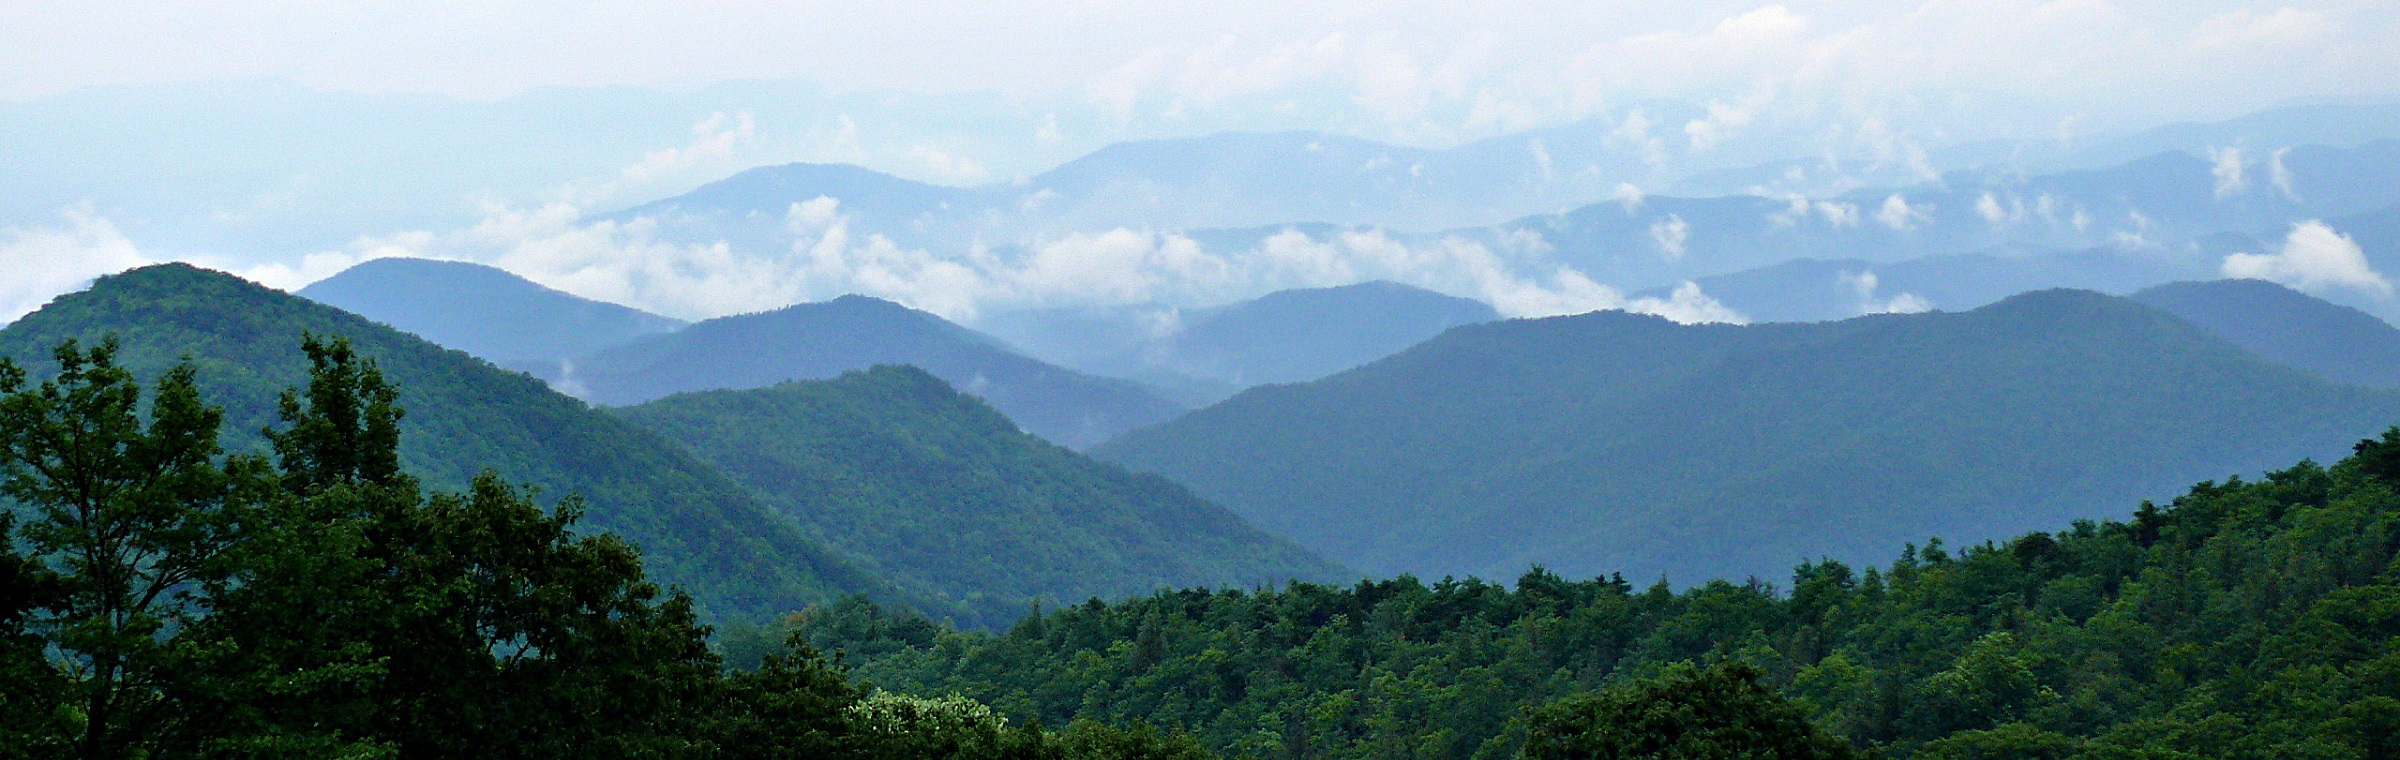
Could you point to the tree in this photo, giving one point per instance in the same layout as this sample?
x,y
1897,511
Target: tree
x,y
1720,712
30,690
132,520
2380,458
475,624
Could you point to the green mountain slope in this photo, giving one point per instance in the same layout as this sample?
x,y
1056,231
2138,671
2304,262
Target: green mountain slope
x,y
815,341
483,310
942,492
695,527
2289,327
1617,442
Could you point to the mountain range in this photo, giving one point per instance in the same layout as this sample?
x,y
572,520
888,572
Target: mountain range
x,y
1201,355
615,355
2148,220
886,483
823,340
1610,442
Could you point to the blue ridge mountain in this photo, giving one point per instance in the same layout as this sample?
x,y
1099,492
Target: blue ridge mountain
x,y
482,310
2289,327
1615,442
816,341
1208,354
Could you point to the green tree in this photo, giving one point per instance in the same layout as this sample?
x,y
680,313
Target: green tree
x,y
134,518
1719,712
2380,457
31,692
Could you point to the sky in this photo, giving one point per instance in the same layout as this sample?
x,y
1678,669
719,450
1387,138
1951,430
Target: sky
x,y
629,101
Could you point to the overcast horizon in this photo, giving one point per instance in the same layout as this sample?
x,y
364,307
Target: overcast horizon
x,y
286,143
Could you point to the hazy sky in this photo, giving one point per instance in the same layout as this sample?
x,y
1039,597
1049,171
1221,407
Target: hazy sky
x,y
164,129
1419,66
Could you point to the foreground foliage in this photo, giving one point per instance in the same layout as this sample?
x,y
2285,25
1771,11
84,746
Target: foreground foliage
x,y
161,598
2254,619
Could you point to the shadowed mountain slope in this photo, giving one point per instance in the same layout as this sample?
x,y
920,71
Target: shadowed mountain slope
x,y
822,340
1617,442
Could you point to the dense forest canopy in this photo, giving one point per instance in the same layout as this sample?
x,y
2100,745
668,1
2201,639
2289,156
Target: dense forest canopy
x,y
2256,619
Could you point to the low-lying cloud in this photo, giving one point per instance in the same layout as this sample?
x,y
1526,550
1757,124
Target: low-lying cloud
x,y
2314,257
637,262
38,263
2225,165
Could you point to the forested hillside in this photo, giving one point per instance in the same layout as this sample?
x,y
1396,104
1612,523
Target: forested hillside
x,y
821,340
696,528
934,490
2247,618
163,597
1613,442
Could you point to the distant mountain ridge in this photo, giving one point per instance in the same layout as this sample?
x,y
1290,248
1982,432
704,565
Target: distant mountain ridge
x,y
1282,337
1612,442
823,340
934,489
2288,327
483,310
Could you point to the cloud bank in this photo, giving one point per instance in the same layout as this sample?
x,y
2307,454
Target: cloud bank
x,y
636,262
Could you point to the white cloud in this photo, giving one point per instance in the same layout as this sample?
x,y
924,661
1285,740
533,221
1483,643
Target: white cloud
x,y
39,263
1686,304
1897,214
2225,164
633,262
716,143
2281,175
1989,208
1629,195
1724,118
1670,234
1862,287
1838,214
2314,257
